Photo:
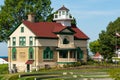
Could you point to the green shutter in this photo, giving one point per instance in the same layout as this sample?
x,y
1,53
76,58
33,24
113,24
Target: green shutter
x,y
79,53
44,54
51,54
31,51
13,53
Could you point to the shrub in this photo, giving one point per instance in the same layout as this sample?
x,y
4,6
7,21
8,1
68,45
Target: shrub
x,y
14,77
115,73
3,68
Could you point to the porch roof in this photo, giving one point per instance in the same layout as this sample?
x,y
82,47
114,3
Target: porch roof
x,y
58,49
29,61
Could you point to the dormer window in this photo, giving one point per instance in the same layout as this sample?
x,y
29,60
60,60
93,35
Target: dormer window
x,y
22,29
65,41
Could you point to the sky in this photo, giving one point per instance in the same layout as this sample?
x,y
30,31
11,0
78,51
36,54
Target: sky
x,y
92,16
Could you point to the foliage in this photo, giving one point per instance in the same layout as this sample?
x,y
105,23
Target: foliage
x,y
94,46
115,73
14,77
3,68
13,12
108,40
76,64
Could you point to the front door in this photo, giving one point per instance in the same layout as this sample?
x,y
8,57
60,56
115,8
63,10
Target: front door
x,y
28,67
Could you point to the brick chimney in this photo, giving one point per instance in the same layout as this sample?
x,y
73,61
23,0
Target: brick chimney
x,y
31,17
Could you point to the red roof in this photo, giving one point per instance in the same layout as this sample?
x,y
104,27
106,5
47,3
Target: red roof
x,y
29,62
97,54
6,59
48,29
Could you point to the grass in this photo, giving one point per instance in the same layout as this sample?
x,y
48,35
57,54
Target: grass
x,y
3,68
57,74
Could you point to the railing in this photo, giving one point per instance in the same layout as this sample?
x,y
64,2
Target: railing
x,y
56,16
67,60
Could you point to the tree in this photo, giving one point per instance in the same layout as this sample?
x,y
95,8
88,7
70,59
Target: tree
x,y
108,40
13,12
94,46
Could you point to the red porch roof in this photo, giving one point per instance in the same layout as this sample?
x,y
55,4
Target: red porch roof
x,y
29,62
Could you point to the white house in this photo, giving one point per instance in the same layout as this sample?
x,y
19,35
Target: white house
x,y
3,60
34,45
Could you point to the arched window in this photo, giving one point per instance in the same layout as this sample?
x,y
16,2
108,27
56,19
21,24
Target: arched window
x,y
31,51
47,53
79,53
14,53
65,41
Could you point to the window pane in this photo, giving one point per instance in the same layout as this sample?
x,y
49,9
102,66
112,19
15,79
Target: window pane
x,y
30,41
14,41
22,29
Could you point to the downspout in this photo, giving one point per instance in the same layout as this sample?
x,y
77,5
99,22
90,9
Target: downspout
x,y
35,55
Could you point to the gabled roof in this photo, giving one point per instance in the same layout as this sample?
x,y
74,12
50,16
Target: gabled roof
x,y
29,62
6,59
48,29
79,34
63,8
97,54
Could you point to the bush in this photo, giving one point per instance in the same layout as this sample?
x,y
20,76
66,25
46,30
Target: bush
x,y
14,77
115,73
3,68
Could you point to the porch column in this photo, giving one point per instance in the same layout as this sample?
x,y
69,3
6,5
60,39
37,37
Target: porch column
x,y
68,56
58,56
76,55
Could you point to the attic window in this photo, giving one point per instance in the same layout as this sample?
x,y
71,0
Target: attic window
x,y
22,29
65,41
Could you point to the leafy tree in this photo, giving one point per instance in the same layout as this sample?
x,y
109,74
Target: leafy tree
x,y
108,40
94,46
13,12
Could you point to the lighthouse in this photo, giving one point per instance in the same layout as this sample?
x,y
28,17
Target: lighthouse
x,y
63,16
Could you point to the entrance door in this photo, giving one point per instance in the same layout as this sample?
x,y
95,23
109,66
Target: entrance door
x,y
28,67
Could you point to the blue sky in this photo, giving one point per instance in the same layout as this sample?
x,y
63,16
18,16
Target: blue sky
x,y
92,15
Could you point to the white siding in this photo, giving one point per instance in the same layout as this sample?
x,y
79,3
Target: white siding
x,y
2,61
71,41
17,33
80,43
47,42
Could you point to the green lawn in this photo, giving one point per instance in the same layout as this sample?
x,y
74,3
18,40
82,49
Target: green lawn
x,y
57,74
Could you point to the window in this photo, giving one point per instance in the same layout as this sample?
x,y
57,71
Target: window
x,y
31,51
22,29
65,41
72,54
63,54
30,41
14,41
48,54
14,53
79,53
63,12
67,13
59,13
22,41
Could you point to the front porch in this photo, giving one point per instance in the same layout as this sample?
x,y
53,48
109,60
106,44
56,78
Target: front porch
x,y
66,55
